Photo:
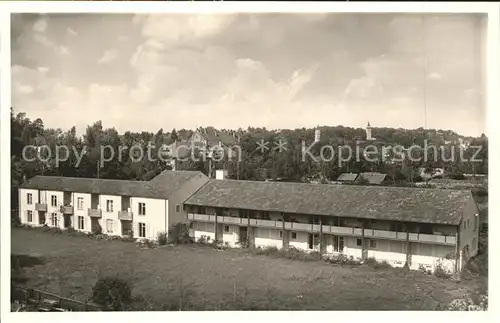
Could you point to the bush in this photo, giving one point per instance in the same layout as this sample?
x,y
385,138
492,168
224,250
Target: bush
x,y
179,234
112,293
341,259
203,239
162,238
457,176
53,230
441,272
290,253
15,219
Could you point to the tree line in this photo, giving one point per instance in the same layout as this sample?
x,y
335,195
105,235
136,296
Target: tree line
x,y
254,163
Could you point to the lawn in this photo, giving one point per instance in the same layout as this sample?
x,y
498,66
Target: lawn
x,y
198,277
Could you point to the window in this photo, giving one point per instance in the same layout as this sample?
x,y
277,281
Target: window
x,y
53,200
142,229
463,226
265,215
29,197
475,222
359,242
341,244
80,223
468,223
79,203
191,225
109,205
177,208
226,228
142,208
109,226
54,220
281,234
294,235
30,216
373,243
474,243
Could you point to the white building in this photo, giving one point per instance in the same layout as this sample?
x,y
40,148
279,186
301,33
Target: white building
x,y
117,207
420,227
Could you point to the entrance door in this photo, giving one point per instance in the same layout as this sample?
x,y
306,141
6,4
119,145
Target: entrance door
x,y
244,236
67,221
310,241
94,225
41,217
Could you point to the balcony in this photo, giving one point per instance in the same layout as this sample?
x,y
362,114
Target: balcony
x,y
95,213
327,229
433,238
41,207
125,215
67,209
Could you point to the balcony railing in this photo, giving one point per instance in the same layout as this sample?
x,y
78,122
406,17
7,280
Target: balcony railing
x,y
125,215
95,213
327,229
42,207
66,209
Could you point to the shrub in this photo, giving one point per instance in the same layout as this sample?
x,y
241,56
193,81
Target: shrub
x,y
146,244
98,229
162,238
179,234
441,272
341,259
112,293
15,219
457,176
203,239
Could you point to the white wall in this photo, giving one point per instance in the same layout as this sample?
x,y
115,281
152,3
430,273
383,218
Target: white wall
x,y
24,207
156,217
113,215
83,212
469,233
427,255
203,229
233,236
54,209
267,238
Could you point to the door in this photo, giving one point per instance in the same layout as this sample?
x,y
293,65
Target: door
x,y
310,241
41,217
243,236
67,221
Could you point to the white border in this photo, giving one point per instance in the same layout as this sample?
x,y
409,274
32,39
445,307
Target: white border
x,y
493,87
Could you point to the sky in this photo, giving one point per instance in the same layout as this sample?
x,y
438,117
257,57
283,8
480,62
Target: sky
x,y
146,72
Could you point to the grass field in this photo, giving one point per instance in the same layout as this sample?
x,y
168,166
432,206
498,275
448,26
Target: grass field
x,y
198,277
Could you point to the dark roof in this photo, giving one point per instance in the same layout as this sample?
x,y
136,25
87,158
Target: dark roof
x,y
387,203
213,136
373,178
347,177
162,186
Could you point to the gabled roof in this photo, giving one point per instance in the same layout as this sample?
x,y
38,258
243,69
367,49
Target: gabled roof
x,y
373,178
213,136
162,186
347,177
384,203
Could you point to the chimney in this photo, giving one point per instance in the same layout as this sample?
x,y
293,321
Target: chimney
x,y
221,174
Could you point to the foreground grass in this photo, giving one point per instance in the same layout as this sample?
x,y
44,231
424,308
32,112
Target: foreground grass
x,y
200,278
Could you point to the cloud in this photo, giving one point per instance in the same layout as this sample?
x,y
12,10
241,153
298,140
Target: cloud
x,y
24,89
43,69
109,56
71,31
40,25
434,76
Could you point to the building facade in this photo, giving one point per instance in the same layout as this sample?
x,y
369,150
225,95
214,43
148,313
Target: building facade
x,y
418,227
125,208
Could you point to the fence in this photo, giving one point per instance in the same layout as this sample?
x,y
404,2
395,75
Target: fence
x,y
56,302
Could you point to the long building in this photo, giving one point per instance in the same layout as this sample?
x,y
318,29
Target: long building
x,y
115,207
418,227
